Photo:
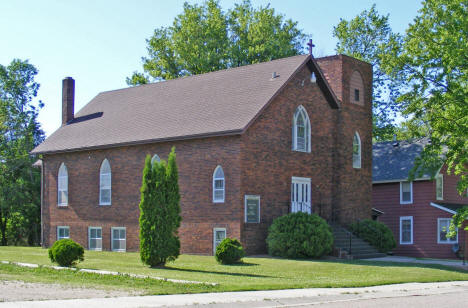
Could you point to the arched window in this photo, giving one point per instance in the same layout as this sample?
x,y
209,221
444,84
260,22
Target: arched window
x,y
301,130
218,185
155,159
105,183
62,186
356,151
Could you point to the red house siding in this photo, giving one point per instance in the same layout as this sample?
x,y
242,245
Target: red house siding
x,y
386,198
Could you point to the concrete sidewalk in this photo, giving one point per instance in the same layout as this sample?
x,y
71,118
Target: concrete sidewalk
x,y
258,298
453,263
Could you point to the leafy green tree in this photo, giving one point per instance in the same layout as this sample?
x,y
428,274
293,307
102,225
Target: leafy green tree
x,y
204,38
369,37
434,63
19,134
159,212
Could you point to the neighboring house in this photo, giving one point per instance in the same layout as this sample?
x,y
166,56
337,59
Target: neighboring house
x,y
253,143
418,212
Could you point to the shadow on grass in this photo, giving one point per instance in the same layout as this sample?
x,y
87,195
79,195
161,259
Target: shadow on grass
x,y
222,273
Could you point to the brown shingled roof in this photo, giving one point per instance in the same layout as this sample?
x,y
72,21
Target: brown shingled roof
x,y
218,103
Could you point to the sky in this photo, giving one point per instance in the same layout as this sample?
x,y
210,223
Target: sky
x,y
101,42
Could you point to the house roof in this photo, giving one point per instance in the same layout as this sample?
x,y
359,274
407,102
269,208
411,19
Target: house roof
x,y
219,103
448,207
392,163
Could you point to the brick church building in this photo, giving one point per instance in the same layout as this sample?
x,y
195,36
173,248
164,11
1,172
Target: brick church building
x,y
253,143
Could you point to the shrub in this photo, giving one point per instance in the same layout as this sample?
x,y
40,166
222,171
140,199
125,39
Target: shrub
x,y
375,233
229,251
66,252
299,235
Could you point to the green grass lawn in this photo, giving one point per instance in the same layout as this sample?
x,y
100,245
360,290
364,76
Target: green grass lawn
x,y
254,274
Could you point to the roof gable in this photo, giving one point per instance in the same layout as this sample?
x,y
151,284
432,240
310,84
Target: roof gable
x,y
218,103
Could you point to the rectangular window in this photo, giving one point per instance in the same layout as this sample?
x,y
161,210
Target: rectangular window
x,y
119,239
443,225
63,232
95,238
356,95
440,187
406,230
252,208
406,192
219,234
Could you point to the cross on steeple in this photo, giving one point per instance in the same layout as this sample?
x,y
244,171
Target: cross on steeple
x,y
311,45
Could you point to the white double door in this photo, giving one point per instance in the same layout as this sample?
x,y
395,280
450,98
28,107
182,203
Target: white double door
x,y
300,195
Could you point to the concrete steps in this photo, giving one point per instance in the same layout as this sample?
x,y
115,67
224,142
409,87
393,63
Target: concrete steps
x,y
359,248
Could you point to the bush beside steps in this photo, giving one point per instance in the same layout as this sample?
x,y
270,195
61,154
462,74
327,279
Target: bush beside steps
x,y
229,251
66,252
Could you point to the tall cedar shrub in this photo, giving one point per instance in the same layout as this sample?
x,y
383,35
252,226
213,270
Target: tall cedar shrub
x,y
299,235
160,212
375,233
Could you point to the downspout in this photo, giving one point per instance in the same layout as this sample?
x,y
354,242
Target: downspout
x,y
42,203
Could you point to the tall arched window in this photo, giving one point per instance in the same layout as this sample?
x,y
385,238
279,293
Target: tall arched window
x,y
356,151
155,159
105,183
62,186
218,185
301,130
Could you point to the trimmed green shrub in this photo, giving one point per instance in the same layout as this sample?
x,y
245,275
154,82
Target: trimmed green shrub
x,y
375,233
299,235
160,212
229,251
66,252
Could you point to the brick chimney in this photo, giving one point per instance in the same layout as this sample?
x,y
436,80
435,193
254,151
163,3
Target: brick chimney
x,y
68,100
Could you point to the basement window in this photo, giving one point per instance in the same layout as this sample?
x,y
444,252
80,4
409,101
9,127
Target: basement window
x,y
63,232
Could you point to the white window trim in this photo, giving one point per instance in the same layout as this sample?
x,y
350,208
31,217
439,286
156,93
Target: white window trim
x,y
110,183
89,238
224,185
298,111
58,188
401,193
438,232
358,166
257,197
63,227
401,230
112,239
214,237
441,178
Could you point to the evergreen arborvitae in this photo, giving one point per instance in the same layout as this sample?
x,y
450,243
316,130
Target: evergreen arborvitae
x,y
147,213
173,206
160,212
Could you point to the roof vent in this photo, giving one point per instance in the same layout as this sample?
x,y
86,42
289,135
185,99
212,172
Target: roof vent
x,y
395,142
274,75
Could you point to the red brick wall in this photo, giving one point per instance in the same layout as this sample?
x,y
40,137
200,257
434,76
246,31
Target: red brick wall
x,y
386,197
268,163
196,160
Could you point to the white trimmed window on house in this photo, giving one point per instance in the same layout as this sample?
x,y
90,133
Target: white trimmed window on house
x,y
95,238
63,232
105,183
301,130
62,186
119,239
356,151
406,192
443,227
439,186
219,234
406,230
218,185
252,208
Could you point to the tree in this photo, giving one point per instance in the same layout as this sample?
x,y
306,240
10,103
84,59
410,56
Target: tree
x,y
159,212
19,133
369,37
434,64
204,39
